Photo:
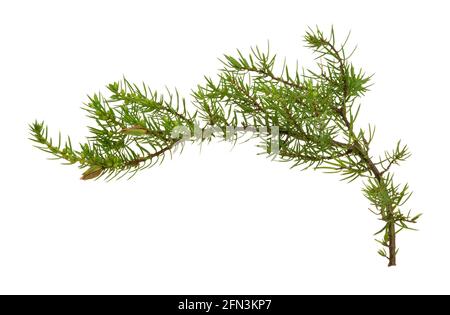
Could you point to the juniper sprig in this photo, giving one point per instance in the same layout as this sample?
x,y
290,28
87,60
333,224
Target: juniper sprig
x,y
307,118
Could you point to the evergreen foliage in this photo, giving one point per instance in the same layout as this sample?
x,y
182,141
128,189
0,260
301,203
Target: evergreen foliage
x,y
313,112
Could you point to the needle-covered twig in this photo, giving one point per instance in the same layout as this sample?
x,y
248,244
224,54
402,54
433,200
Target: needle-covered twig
x,y
306,118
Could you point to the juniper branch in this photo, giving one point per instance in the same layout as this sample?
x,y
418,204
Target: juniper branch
x,y
313,112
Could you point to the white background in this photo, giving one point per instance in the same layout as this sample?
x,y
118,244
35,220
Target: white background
x,y
221,221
